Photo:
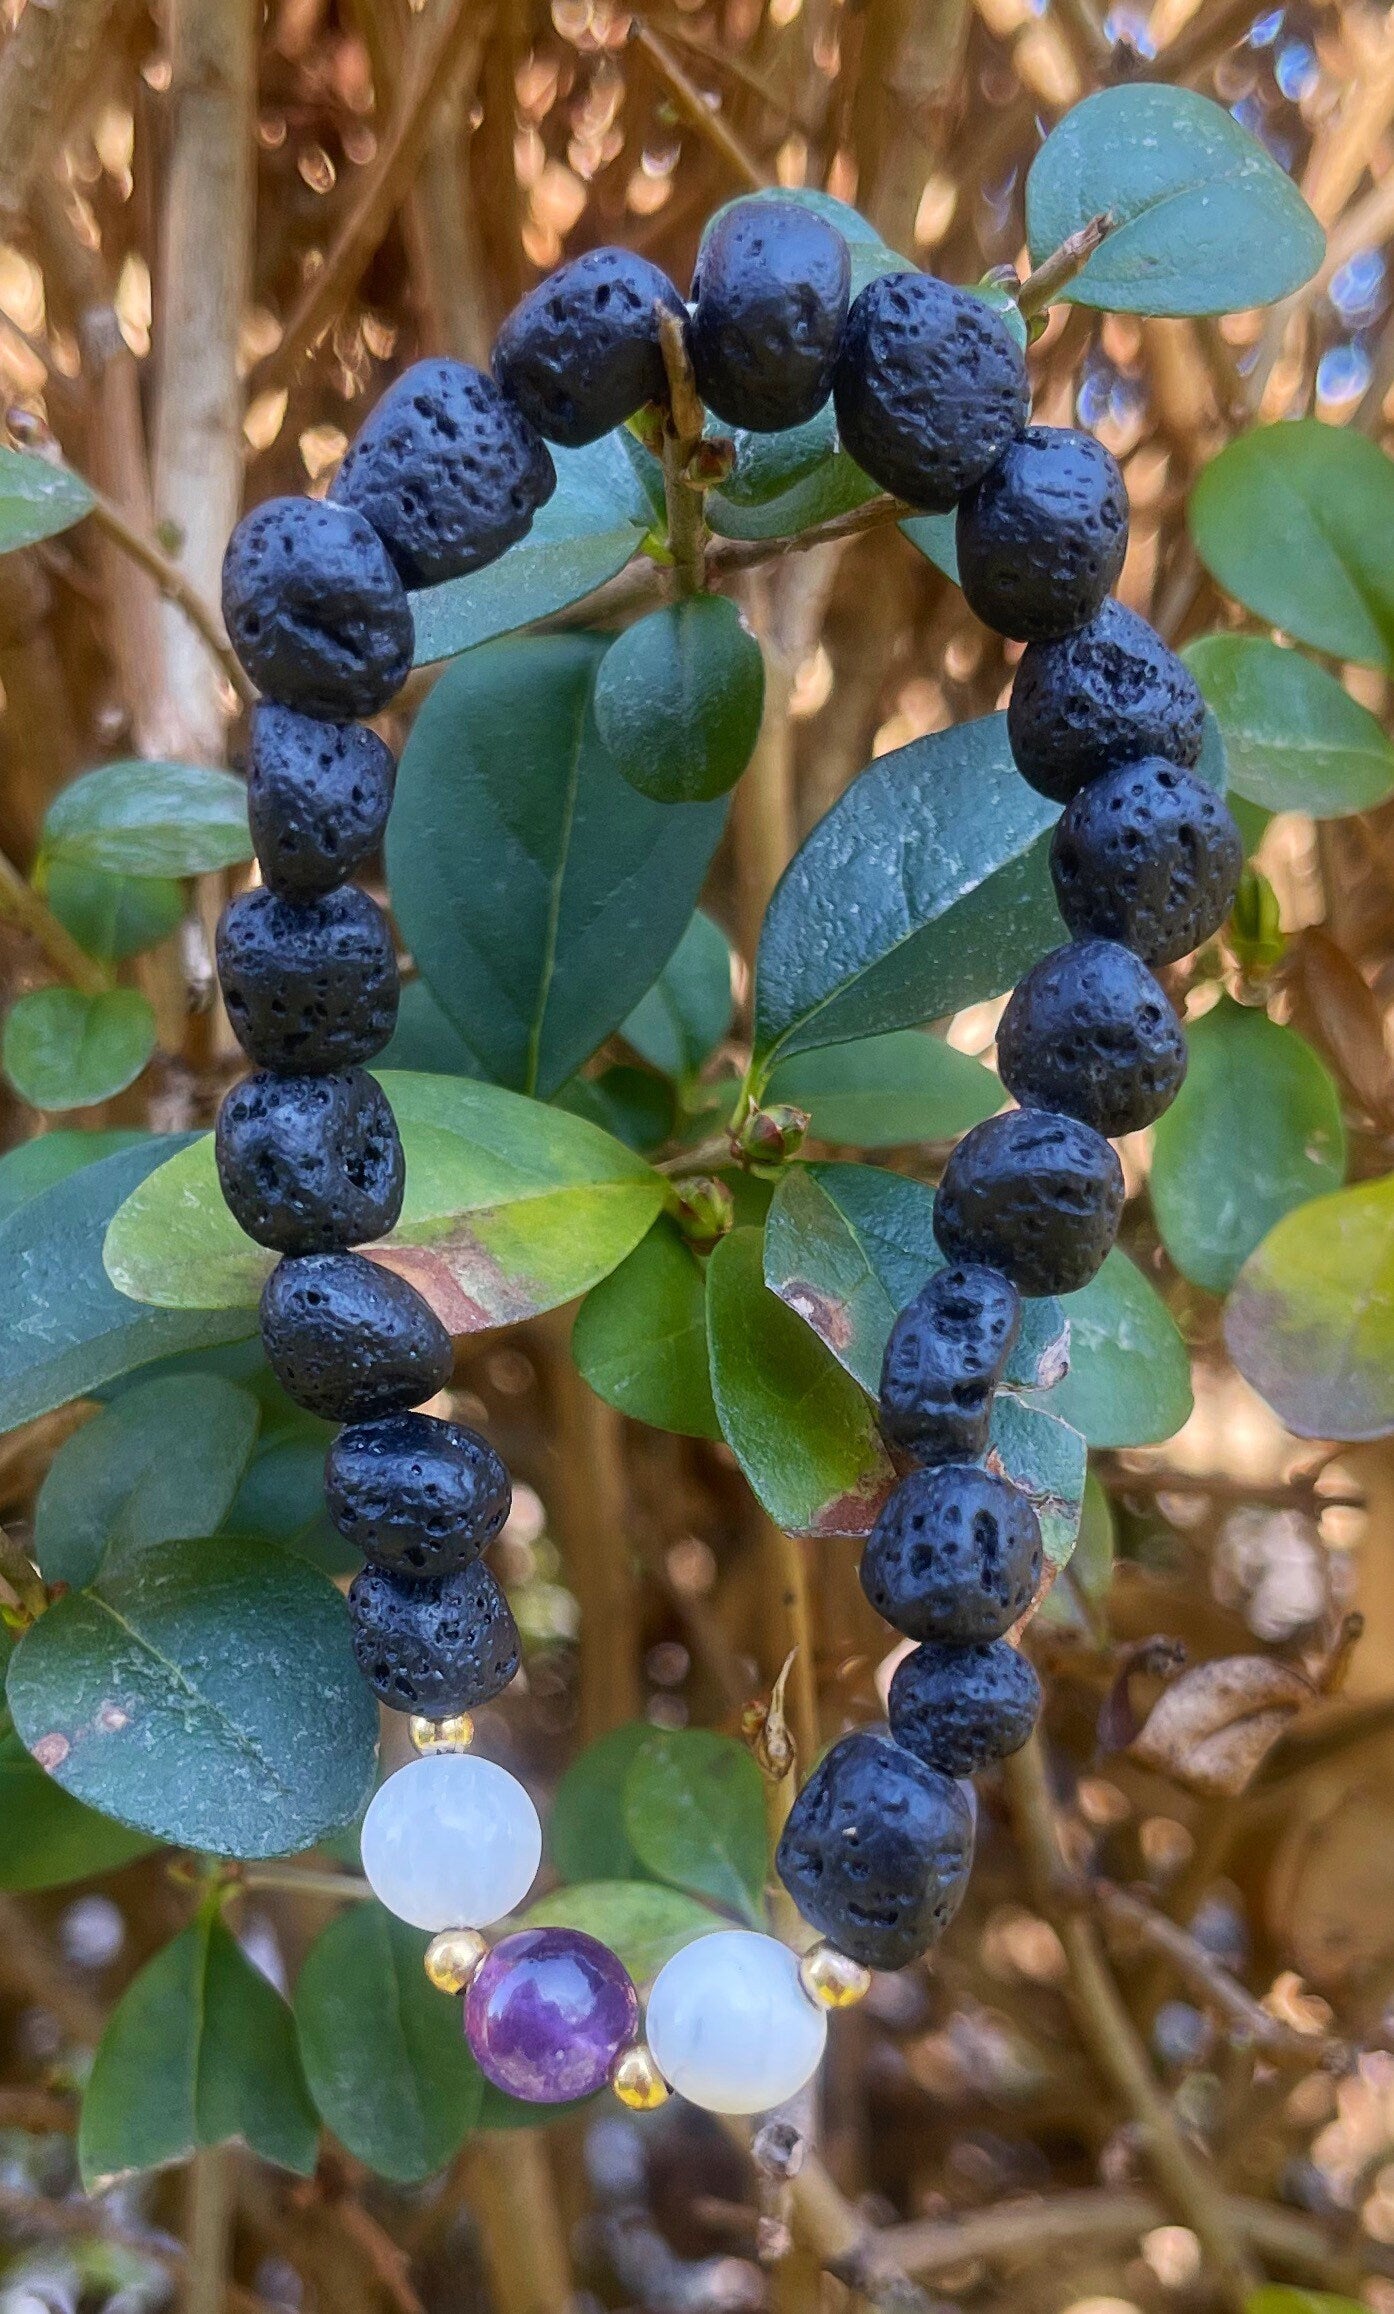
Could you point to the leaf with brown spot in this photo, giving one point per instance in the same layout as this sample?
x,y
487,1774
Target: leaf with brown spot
x,y
1214,1727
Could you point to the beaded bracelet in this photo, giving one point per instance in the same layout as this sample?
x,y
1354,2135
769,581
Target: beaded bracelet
x,y
930,391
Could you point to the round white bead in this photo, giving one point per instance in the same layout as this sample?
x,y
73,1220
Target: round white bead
x,y
451,1841
730,2025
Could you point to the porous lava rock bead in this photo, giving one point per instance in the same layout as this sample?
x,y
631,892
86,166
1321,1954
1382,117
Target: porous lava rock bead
x,y
929,388
943,1360
548,2012
447,470
1036,1195
959,1709
318,796
770,297
436,1647
1041,538
1107,695
955,1554
310,1164
350,1340
314,609
582,352
417,1495
877,1850
309,985
1089,1031
1148,855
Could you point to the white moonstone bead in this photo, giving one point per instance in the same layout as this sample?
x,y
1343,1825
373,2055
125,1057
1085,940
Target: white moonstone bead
x,y
730,2025
451,1841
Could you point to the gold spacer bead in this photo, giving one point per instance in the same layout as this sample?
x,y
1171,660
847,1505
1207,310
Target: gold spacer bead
x,y
453,1957
636,2080
442,1735
831,1979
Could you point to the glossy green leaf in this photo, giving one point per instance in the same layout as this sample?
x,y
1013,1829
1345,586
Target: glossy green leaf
x,y
65,1331
1047,1460
835,485
1255,1130
586,1836
1204,219
936,537
907,1086
1129,1382
47,1839
640,1337
687,1012
161,1465
35,1165
799,1426
63,1050
539,893
1295,740
1310,1322
1293,520
424,1041
199,2050
633,1105
37,499
678,699
925,888
588,530
694,1809
856,230
150,819
203,1692
767,465
112,917
281,1501
386,2061
511,1208
1074,1603
642,1922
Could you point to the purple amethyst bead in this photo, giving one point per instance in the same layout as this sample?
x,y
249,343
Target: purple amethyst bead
x,y
548,2013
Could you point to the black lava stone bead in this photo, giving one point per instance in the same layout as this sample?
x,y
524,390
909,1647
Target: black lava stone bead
x,y
447,470
1148,855
309,986
954,1555
877,1851
1036,1195
1091,1033
1108,695
416,1495
770,293
1041,538
310,1164
350,1340
436,1647
318,796
930,387
582,352
314,609
946,1351
959,1709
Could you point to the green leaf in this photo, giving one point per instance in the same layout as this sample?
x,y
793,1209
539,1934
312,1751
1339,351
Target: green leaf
x,y
281,1501
538,892
834,485
1255,1130
424,1041
1068,1604
925,888
641,1922
386,2061
1282,2298
798,1425
65,1331
886,1090
161,1465
634,1105
590,527
687,1012
679,697
1047,1459
1293,520
150,819
1204,220
640,1337
1310,1322
856,230
1129,1382
205,1693
936,538
511,1208
48,1840
63,1050
112,917
37,499
199,2050
1295,740
769,464
35,1165
586,1836
694,1809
